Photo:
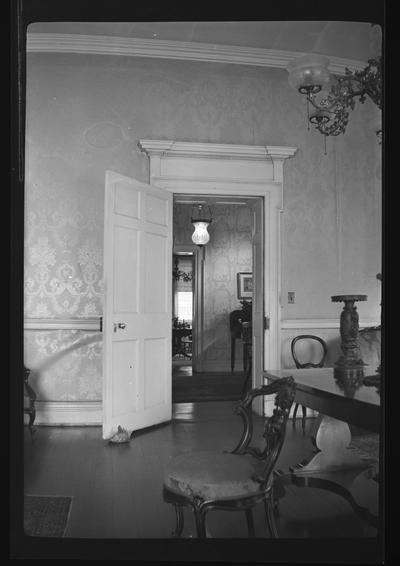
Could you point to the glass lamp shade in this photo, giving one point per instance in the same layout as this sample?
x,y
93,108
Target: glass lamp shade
x,y
200,236
320,117
309,73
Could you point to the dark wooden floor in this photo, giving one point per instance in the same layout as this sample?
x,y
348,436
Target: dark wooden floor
x,y
189,386
116,489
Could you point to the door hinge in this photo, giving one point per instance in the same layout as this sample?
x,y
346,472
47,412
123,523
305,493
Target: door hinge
x,y
266,322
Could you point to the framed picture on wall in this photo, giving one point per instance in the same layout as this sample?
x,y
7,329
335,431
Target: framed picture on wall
x,y
245,285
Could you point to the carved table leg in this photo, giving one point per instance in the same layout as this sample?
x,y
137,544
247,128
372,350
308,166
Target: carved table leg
x,y
331,438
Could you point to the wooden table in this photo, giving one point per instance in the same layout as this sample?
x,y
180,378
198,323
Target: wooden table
x,y
337,405
177,344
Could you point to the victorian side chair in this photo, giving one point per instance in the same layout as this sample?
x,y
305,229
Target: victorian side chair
x,y
237,480
303,365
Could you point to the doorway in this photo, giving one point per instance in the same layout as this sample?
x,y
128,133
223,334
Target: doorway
x,y
213,295
194,168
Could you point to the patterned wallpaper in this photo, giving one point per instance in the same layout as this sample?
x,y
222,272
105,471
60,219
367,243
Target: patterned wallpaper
x,y
63,251
66,364
86,113
228,252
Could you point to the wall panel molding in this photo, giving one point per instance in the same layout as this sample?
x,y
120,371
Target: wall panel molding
x,y
298,323
182,50
62,324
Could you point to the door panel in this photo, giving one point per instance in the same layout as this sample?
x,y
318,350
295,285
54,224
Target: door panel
x,y
155,354
125,281
155,298
126,203
156,210
125,377
137,330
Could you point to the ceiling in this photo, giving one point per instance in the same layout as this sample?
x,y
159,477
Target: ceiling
x,y
350,40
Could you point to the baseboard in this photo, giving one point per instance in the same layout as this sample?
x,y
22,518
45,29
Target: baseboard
x,y
64,413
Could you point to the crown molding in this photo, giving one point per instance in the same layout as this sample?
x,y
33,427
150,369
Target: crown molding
x,y
168,148
182,50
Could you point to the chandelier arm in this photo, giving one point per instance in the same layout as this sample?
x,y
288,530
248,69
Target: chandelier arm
x,y
323,106
333,98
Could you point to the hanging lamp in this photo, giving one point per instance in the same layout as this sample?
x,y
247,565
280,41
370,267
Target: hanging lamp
x,y
201,218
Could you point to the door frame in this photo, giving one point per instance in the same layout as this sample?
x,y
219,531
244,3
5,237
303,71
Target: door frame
x,y
198,309
233,170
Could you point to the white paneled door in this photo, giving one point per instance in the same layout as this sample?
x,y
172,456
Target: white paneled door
x,y
137,305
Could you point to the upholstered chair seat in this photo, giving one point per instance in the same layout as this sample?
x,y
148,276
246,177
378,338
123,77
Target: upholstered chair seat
x,y
212,475
236,480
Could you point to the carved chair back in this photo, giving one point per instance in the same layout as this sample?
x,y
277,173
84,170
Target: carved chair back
x,y
274,429
311,337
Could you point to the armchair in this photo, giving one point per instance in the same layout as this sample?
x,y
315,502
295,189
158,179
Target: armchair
x,y
236,480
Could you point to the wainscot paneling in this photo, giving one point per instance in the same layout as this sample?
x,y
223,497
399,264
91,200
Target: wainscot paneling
x,y
66,324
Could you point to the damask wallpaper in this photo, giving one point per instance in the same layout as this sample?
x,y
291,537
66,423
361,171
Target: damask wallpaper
x,y
86,113
64,251
66,365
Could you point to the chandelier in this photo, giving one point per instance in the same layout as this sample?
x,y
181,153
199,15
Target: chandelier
x,y
201,219
330,98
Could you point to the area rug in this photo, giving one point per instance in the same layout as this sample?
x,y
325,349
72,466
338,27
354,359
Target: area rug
x,y
46,516
366,446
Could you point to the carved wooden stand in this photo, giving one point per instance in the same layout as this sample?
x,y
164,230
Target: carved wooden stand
x,y
350,365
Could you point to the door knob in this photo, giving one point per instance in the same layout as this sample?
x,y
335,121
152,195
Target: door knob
x,y
119,325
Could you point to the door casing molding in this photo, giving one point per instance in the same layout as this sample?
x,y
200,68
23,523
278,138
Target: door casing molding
x,y
227,169
198,311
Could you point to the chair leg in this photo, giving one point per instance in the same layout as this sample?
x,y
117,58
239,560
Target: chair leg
x,y
232,354
248,377
200,523
250,523
304,417
294,415
269,514
179,521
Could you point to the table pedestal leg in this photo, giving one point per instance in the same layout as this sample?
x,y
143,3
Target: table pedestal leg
x,y
332,438
353,478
